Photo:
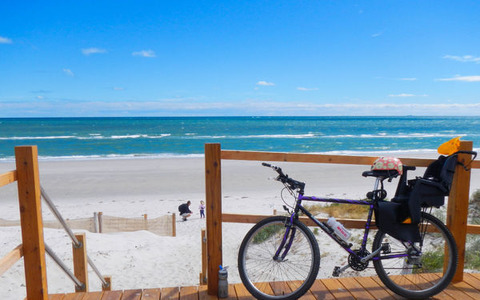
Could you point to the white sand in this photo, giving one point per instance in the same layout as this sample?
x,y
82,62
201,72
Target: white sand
x,y
131,188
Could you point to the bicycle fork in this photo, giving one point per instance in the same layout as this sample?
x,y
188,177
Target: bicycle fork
x,y
286,242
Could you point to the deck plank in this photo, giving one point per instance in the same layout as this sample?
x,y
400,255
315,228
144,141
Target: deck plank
x,y
231,293
454,292
74,296
377,291
93,296
171,293
265,287
189,293
242,292
467,289
203,293
472,280
112,295
380,283
280,288
132,294
337,289
476,275
151,294
329,289
355,288
320,291
295,285
425,281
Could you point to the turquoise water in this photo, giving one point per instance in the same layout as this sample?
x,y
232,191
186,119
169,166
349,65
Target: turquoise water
x,y
79,138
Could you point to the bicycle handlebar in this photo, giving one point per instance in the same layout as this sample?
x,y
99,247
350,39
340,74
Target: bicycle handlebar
x,y
277,169
283,178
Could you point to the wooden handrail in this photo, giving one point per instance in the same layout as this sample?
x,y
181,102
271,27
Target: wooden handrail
x,y
350,223
10,259
238,218
7,178
315,158
457,205
33,247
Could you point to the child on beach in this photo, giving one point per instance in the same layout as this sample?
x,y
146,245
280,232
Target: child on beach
x,y
202,209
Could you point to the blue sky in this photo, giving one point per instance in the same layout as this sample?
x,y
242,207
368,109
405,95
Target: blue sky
x,y
183,58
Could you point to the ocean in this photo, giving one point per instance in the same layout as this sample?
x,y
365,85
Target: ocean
x,y
136,137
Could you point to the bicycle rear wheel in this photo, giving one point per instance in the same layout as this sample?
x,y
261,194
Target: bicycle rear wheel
x,y
418,274
283,278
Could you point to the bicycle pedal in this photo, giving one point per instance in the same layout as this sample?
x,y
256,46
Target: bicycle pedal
x,y
336,271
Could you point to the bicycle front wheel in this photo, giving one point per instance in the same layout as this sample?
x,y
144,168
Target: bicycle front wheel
x,y
422,272
277,260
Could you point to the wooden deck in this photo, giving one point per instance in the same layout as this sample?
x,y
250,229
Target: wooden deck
x,y
331,288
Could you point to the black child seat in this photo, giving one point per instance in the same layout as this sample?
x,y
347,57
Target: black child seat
x,y
431,189
411,195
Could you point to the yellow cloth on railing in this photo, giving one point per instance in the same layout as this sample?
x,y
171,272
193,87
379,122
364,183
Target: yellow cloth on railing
x,y
450,147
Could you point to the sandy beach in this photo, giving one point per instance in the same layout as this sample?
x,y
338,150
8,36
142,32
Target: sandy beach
x,y
133,187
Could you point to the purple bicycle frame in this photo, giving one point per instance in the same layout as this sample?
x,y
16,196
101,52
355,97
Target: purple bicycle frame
x,y
347,247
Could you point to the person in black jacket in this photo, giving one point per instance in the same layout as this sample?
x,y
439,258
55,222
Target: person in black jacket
x,y
184,210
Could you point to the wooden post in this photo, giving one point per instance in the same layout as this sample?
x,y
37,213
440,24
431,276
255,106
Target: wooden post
x,y
26,158
108,279
80,263
100,222
174,224
203,274
213,197
457,211
95,222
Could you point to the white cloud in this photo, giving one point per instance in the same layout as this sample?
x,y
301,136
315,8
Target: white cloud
x,y
401,95
144,53
4,40
68,72
265,83
88,51
306,89
464,58
408,79
474,78
198,107
378,34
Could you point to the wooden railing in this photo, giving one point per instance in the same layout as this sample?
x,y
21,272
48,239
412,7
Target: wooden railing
x,y
457,210
33,246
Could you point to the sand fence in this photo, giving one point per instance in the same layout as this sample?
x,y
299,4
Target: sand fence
x,y
100,223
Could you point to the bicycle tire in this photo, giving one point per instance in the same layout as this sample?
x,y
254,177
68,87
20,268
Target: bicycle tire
x,y
424,273
268,279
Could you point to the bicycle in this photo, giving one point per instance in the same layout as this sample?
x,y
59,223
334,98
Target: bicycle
x,y
413,253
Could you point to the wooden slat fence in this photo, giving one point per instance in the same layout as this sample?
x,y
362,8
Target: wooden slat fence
x,y
457,210
33,246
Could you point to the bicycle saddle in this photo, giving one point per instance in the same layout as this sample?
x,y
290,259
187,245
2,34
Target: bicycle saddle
x,y
381,173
